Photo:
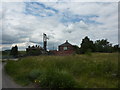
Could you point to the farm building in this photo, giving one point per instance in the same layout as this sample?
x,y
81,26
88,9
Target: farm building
x,y
65,46
64,49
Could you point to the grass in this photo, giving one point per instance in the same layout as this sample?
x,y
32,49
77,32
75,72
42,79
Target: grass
x,y
22,52
98,70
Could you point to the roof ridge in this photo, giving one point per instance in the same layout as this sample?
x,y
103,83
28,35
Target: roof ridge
x,y
66,43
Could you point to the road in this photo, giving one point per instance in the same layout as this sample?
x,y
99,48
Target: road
x,y
8,82
0,74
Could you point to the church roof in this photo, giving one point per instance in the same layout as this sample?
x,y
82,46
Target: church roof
x,y
66,44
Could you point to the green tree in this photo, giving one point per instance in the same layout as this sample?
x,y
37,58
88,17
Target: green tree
x,y
116,48
87,45
103,46
14,51
77,49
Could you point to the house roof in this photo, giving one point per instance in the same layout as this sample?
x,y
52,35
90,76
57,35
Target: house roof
x,y
66,44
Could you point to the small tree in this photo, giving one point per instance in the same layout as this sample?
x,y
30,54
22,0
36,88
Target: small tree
x,y
77,49
103,46
14,51
116,48
87,45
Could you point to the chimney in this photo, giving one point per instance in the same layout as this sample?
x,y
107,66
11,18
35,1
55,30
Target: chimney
x,y
66,41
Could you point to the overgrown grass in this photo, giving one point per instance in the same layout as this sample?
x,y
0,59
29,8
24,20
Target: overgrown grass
x,y
82,71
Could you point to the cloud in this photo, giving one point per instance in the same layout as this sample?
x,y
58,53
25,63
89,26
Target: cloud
x,y
23,22
39,9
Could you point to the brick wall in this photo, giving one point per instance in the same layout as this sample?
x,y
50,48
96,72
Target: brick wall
x,y
62,53
61,48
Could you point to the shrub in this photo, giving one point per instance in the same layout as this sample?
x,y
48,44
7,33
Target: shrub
x,y
22,79
57,79
11,68
88,52
34,74
103,68
108,67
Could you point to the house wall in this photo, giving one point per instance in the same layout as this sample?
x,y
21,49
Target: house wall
x,y
63,53
61,48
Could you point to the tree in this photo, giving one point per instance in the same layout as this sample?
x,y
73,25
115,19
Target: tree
x,y
87,45
116,48
77,49
14,51
103,46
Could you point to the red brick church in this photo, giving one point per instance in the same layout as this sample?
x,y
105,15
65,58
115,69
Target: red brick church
x,y
64,49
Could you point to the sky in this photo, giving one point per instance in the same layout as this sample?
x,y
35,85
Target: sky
x,y
23,23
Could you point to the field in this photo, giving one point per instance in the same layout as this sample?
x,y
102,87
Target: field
x,y
96,70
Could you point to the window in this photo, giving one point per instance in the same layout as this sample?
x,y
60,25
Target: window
x,y
64,48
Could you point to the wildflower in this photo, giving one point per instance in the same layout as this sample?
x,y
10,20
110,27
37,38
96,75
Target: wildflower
x,y
37,81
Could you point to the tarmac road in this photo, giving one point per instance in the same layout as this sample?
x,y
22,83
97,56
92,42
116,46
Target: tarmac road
x,y
0,74
7,81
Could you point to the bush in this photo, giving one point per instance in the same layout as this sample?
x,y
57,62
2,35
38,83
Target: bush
x,y
34,74
11,68
103,69
22,79
88,52
109,67
57,79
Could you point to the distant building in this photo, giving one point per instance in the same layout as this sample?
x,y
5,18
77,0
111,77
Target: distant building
x,y
65,46
34,50
64,49
37,50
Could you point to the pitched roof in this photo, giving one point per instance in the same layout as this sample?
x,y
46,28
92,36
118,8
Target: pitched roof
x,y
66,44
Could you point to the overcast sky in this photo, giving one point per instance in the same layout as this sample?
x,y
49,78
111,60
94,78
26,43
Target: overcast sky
x,y
23,23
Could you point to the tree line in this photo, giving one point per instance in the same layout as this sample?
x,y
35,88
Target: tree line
x,y
103,45
86,46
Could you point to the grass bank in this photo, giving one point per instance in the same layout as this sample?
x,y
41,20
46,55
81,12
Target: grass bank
x,y
81,71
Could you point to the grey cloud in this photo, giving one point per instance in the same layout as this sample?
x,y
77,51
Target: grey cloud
x,y
53,45
31,27
8,39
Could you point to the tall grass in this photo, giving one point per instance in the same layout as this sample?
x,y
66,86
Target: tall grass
x,y
96,70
